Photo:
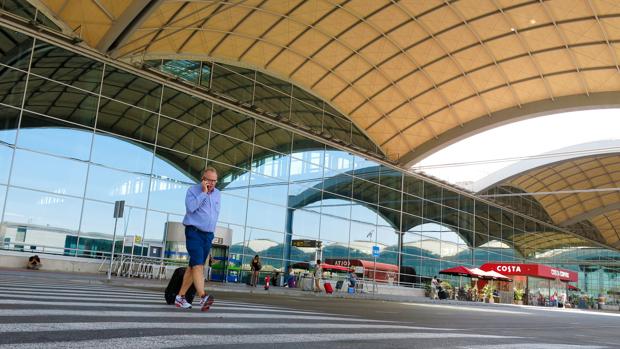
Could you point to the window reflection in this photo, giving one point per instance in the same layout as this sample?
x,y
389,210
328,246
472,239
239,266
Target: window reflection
x,y
67,67
136,157
12,86
168,196
6,154
111,185
53,214
54,137
9,119
68,177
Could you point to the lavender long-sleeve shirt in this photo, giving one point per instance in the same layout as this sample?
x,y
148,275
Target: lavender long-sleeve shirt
x,y
202,209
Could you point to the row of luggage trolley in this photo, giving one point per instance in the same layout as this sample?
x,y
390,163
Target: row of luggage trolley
x,y
135,266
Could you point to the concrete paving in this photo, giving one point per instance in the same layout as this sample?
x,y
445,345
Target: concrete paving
x,y
48,310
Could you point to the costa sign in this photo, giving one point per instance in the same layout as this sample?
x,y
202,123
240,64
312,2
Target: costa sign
x,y
537,270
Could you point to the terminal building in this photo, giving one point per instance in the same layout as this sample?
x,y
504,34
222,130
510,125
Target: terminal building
x,y
313,114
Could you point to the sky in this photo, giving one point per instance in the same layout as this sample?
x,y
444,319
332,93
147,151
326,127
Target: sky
x,y
524,138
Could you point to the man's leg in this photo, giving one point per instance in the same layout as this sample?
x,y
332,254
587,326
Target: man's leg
x,y
199,279
187,281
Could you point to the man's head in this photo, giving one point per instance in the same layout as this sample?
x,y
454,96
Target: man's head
x,y
210,177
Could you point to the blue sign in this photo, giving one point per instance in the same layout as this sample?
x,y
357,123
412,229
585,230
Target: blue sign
x,y
375,251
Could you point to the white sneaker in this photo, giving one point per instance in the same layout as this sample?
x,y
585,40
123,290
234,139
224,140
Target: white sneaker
x,y
206,302
181,302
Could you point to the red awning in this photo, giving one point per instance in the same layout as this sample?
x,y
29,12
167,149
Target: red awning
x,y
459,271
573,288
368,265
326,266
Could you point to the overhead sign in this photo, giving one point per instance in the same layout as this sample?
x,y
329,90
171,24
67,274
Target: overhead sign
x,y
305,243
375,251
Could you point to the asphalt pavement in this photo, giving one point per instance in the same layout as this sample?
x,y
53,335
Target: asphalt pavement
x,y
57,310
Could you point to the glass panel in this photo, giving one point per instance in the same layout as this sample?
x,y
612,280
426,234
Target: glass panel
x,y
205,74
156,225
179,105
391,178
304,148
9,119
268,189
186,70
338,162
15,48
268,245
342,185
2,197
170,164
232,84
67,67
306,114
303,196
272,100
54,137
432,211
338,127
232,209
61,101
127,121
414,186
168,196
229,151
432,192
365,191
6,155
409,222
12,86
275,83
232,180
273,137
308,98
137,157
52,214
270,163
232,124
466,204
67,177
389,198
306,224
183,137
111,185
266,216
131,89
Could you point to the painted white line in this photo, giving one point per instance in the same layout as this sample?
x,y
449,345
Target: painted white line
x,y
174,313
89,326
483,309
534,346
9,289
216,306
204,340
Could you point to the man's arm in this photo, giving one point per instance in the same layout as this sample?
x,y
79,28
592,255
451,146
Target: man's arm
x,y
193,201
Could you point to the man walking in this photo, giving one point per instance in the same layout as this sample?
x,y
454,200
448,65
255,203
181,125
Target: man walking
x,y
202,205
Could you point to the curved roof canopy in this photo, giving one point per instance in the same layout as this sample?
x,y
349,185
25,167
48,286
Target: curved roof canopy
x,y
416,75
574,191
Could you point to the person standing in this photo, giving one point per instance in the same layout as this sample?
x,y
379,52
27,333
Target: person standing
x,y
202,205
434,287
318,273
256,267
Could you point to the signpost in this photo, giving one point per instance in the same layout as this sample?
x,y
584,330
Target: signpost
x,y
119,208
305,243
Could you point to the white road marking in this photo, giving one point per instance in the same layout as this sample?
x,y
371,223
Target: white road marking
x,y
483,309
152,342
169,314
533,346
89,326
216,306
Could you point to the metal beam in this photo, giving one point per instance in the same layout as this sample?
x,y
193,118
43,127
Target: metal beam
x,y
126,24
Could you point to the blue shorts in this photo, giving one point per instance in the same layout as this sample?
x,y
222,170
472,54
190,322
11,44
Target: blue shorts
x,y
198,245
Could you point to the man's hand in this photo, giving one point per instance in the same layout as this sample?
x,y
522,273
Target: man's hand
x,y
204,185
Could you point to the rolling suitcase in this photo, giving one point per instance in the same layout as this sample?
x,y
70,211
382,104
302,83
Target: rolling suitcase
x,y
175,285
328,288
339,284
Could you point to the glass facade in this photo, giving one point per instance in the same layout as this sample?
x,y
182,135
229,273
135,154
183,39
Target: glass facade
x,y
77,134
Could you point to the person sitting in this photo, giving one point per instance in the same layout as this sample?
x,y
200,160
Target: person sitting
x,y
352,278
34,263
